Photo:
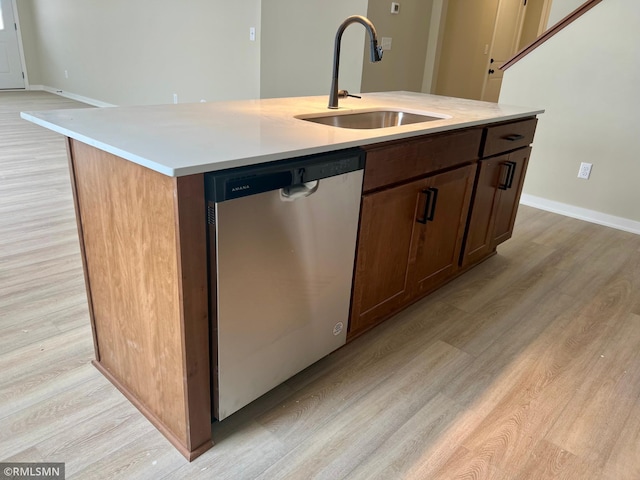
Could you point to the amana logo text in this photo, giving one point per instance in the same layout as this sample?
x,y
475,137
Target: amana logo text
x,y
241,187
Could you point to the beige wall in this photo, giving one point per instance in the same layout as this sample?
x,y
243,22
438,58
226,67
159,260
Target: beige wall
x,y
434,44
29,43
586,77
143,52
532,21
402,67
297,46
468,33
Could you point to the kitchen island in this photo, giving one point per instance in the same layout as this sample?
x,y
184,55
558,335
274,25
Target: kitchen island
x,y
137,174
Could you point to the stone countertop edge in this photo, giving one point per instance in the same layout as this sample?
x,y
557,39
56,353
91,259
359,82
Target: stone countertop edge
x,y
192,138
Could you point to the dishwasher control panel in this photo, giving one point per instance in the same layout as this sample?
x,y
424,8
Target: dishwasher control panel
x,y
329,169
243,181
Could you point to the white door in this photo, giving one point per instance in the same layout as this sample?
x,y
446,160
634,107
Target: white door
x,y
506,38
10,64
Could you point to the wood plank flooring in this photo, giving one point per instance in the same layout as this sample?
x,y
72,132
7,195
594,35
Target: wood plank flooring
x,y
526,367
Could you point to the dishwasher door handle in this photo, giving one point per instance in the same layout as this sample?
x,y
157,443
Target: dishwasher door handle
x,y
300,190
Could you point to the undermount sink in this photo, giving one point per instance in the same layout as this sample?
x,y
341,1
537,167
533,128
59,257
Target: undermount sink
x,y
371,119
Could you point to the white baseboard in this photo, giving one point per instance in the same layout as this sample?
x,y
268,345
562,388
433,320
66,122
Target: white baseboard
x,y
581,213
72,96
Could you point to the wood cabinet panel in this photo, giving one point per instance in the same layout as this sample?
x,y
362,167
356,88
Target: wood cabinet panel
x,y
143,241
394,162
438,243
398,257
495,204
507,207
479,236
508,136
191,246
387,220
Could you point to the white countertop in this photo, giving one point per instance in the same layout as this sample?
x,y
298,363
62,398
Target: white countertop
x,y
184,139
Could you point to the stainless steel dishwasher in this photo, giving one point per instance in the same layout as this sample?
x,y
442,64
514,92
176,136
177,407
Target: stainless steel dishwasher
x,y
282,240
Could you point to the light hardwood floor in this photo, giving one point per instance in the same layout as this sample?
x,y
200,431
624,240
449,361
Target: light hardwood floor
x,y
527,367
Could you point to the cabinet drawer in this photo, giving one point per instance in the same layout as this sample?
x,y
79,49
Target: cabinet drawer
x,y
509,136
394,162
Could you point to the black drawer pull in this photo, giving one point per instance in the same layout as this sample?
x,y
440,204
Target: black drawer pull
x,y
514,137
430,200
508,181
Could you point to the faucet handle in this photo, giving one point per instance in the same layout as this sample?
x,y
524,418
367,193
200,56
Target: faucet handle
x,y
345,94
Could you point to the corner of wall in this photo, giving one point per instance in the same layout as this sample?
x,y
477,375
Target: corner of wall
x,y
585,214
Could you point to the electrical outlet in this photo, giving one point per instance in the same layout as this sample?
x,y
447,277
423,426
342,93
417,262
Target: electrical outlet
x,y
385,43
175,98
395,8
66,74
252,34
585,170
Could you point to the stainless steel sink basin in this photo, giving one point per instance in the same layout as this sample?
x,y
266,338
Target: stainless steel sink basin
x,y
371,119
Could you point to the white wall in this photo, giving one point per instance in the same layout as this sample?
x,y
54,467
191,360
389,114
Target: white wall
x,y
297,46
142,52
587,78
562,8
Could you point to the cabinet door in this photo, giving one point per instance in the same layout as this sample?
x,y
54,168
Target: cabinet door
x,y
479,238
507,207
437,243
387,221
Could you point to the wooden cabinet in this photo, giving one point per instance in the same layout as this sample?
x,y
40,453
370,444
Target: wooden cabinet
x,y
399,161
495,204
381,281
498,188
142,237
509,136
509,195
437,243
432,207
411,233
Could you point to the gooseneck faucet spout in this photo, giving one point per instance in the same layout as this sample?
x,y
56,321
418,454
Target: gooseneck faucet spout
x,y
376,54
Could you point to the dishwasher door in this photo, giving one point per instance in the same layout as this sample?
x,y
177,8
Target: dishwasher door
x,y
285,262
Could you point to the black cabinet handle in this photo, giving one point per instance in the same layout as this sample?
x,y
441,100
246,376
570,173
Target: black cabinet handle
x,y
430,200
514,137
511,175
511,168
432,213
427,201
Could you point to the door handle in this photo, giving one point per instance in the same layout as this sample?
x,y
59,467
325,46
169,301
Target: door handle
x,y
491,70
511,167
430,200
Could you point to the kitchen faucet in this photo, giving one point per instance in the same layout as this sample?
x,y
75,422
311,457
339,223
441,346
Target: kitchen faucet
x,y
376,54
